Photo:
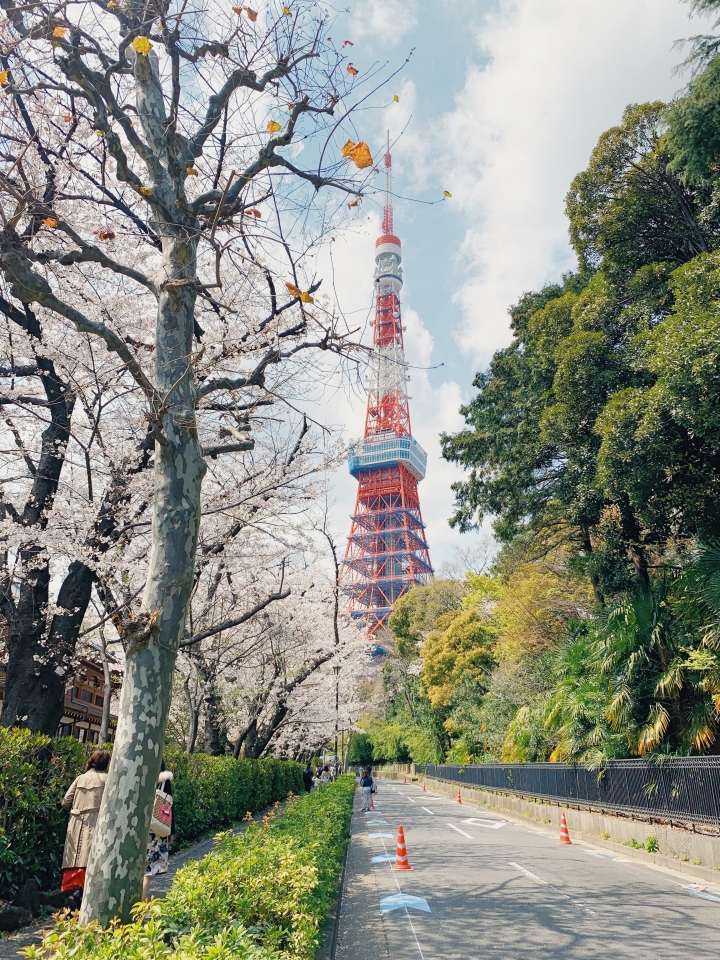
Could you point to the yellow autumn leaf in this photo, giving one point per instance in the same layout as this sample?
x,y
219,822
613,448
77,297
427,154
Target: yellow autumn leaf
x,y
237,10
273,126
191,172
351,70
3,77
67,118
59,31
286,12
396,99
348,147
307,298
360,154
112,5
253,213
50,222
446,193
354,203
252,14
145,191
293,290
142,45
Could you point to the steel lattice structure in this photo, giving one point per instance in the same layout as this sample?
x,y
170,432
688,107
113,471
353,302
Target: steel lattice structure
x,y
386,553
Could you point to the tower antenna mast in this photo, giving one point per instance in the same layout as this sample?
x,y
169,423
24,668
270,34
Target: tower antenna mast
x,y
386,553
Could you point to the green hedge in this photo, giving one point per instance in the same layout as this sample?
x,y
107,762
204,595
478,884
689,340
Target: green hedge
x,y
260,895
35,772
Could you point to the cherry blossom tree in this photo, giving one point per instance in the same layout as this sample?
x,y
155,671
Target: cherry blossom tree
x,y
154,202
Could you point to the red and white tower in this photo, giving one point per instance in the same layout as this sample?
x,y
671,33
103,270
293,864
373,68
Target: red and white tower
x,y
386,553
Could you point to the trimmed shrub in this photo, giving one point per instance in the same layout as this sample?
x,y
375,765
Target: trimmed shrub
x,y
210,792
35,772
260,895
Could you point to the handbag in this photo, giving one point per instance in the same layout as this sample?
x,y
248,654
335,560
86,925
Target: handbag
x,y
161,822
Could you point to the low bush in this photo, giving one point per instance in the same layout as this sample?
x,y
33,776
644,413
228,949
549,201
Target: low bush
x,y
35,772
210,792
652,845
260,895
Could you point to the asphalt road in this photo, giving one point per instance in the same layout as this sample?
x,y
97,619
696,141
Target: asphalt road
x,y
486,887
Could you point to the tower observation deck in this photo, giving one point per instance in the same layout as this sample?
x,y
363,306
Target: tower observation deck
x,y
386,552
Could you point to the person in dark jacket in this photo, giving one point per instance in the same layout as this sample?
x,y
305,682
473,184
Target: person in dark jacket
x,y
308,778
366,782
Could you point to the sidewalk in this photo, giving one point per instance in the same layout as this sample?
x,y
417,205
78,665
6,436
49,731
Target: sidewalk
x,y
361,931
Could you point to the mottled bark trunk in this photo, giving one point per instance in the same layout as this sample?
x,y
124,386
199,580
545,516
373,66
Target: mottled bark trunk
x,y
117,857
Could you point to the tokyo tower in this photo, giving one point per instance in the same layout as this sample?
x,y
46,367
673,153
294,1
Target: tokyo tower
x,y
386,553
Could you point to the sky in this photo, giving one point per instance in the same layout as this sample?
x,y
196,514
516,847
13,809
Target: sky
x,y
501,103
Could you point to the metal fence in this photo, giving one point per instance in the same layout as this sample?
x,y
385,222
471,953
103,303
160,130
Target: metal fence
x,y
682,789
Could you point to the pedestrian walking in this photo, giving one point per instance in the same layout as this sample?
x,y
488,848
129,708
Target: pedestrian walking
x,y
162,827
366,783
308,778
83,801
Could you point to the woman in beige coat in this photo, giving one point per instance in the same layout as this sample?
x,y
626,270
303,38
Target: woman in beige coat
x,y
83,800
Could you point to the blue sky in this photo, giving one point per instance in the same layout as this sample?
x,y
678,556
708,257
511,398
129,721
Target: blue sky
x,y
503,101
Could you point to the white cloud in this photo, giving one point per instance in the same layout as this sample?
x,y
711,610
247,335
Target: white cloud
x,y
386,21
560,73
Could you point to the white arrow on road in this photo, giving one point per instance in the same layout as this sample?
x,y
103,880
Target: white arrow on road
x,y
398,900
490,824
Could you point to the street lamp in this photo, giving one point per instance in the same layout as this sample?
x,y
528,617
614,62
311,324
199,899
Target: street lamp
x,y
336,671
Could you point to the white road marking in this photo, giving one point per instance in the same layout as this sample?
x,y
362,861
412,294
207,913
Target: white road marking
x,y
490,824
545,883
453,827
527,873
410,799
429,811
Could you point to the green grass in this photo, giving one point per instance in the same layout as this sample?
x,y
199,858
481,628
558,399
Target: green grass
x,y
632,842
260,895
652,845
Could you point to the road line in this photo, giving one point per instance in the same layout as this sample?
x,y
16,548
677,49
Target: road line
x,y
407,912
453,827
527,873
428,811
410,799
545,883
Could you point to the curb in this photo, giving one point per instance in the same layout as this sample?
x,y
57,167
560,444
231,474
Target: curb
x,y
331,926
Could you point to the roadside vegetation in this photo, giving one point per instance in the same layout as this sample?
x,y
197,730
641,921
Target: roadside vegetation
x,y
260,895
593,445
35,772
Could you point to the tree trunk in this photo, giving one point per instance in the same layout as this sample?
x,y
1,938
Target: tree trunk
x,y
107,690
194,714
117,856
213,740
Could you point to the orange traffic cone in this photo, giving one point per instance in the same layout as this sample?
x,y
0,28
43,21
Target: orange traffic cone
x,y
459,798
372,801
401,860
564,832
424,790
404,779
